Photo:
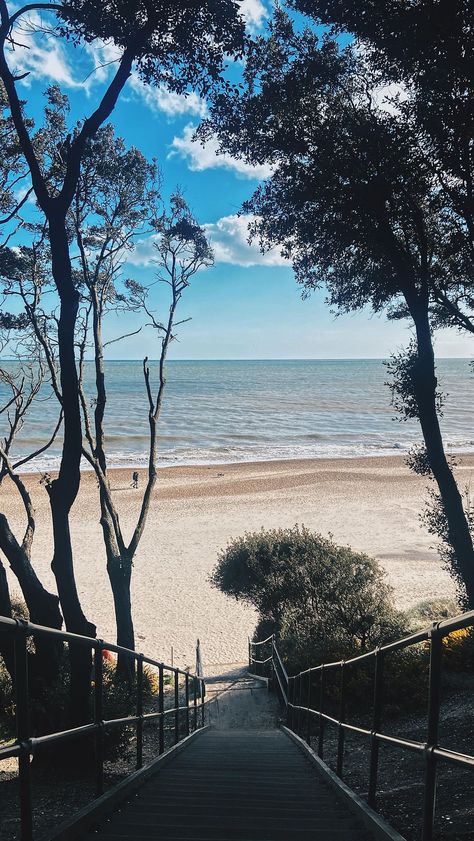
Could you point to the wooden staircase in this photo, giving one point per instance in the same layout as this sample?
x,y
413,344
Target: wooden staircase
x,y
234,785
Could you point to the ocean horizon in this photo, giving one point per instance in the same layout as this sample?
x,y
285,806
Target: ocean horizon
x,y
222,411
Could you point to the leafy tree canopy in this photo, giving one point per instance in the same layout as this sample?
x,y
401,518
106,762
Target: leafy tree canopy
x,y
428,50
353,199
306,586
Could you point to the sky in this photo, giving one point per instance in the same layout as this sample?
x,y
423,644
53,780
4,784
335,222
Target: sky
x,y
248,305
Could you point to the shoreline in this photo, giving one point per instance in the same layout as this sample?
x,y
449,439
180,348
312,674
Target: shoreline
x,y
398,456
372,504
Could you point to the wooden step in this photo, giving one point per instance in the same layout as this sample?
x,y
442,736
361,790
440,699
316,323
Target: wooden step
x,y
234,786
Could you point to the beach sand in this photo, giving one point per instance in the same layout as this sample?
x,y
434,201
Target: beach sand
x,y
372,504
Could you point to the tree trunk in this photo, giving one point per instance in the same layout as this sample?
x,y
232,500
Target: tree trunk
x,y
425,383
43,606
6,637
119,570
64,489
76,622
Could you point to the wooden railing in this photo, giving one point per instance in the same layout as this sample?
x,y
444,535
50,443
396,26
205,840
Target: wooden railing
x,y
303,699
26,744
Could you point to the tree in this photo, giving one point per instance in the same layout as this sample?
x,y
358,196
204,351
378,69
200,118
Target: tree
x,y
20,384
309,591
353,202
425,51
6,643
23,383
400,369
179,45
116,197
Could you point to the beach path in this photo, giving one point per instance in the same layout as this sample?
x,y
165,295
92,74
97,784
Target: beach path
x,y
241,779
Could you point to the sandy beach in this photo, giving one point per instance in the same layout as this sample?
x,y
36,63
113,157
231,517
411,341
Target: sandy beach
x,y
372,504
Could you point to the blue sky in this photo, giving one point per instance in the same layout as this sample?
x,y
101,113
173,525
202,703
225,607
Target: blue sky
x,y
248,305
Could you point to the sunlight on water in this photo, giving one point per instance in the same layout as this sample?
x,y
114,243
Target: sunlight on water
x,y
247,411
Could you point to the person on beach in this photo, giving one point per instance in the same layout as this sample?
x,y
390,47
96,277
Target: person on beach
x,y
135,479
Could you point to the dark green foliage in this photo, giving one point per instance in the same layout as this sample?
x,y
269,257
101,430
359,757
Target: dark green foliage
x,y
402,369
436,522
9,321
350,188
404,376
324,601
406,681
175,43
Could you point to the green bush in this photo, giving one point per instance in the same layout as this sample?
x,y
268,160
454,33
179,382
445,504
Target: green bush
x,y
324,601
421,615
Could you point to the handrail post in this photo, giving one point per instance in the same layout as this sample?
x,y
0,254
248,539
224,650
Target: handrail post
x,y
321,719
139,729
203,701
176,707
250,653
308,714
161,707
299,713
23,730
294,695
98,717
276,672
434,699
195,702
289,708
340,729
271,679
300,704
376,719
187,702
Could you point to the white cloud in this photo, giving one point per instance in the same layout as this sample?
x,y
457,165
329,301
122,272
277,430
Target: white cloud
x,y
46,60
144,252
170,103
104,56
46,57
200,158
254,13
228,237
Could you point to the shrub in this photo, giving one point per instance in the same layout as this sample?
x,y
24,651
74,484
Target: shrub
x,y
458,646
323,600
422,614
6,704
458,651
19,609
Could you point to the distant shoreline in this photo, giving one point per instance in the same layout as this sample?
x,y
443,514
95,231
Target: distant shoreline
x,y
268,359
398,455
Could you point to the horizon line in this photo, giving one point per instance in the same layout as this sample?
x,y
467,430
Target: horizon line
x,y
263,359
277,359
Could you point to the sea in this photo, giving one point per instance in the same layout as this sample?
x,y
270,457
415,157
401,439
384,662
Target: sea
x,y
216,412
